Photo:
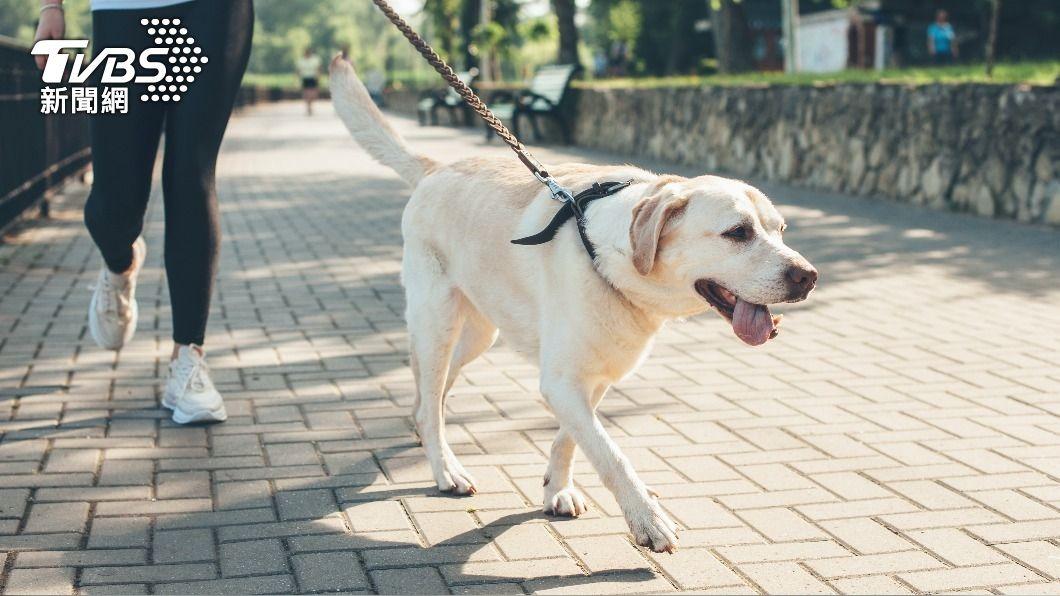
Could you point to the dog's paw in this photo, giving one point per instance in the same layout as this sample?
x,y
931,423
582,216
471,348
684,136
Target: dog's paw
x,y
456,480
566,502
652,528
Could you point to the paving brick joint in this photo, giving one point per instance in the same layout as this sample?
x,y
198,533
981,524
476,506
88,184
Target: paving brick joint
x,y
900,436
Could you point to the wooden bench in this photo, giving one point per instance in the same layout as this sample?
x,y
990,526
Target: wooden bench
x,y
430,101
543,98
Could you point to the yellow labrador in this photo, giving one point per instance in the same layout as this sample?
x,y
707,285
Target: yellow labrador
x,y
667,247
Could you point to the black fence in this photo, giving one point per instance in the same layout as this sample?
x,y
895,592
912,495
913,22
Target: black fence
x,y
37,152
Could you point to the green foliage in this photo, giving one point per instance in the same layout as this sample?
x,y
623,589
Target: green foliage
x,y
1011,73
538,29
624,23
489,36
285,28
18,19
659,34
443,19
538,45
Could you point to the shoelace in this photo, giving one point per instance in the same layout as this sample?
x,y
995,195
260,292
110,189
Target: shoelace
x,y
111,296
195,375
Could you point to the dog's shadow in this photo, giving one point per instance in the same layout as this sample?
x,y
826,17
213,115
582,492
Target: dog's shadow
x,y
348,510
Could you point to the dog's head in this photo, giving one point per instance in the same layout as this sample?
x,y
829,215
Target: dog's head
x,y
718,241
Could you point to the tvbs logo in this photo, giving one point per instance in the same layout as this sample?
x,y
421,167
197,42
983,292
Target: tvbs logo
x,y
167,69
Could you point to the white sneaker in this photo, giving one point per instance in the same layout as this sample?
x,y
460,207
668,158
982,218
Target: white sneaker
x,y
113,312
190,392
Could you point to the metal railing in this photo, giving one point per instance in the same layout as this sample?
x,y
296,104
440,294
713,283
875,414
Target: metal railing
x,y
37,152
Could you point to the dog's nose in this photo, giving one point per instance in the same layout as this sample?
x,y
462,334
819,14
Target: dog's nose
x,y
801,279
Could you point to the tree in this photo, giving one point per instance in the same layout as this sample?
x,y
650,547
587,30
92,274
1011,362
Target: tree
x,y
470,15
668,42
18,19
991,43
568,31
443,15
732,36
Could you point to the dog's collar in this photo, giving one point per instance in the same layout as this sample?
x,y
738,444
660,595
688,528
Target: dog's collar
x,y
575,209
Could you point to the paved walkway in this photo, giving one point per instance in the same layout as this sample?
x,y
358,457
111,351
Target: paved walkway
x,y
902,434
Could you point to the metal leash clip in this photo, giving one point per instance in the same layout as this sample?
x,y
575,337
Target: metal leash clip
x,y
559,193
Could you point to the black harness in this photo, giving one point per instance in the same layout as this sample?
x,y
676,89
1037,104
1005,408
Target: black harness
x,y
575,208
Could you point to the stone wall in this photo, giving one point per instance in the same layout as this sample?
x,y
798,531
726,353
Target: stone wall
x,y
986,149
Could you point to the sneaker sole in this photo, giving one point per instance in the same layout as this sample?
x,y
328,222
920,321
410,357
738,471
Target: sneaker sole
x,y
215,415
181,416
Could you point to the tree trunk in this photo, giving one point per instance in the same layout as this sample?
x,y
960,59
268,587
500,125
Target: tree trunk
x,y
732,37
568,32
991,43
469,19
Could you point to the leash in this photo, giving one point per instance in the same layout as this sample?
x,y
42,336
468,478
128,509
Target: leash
x,y
573,206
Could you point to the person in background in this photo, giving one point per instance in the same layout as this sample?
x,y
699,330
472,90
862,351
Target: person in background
x,y
308,67
599,64
124,147
375,83
942,40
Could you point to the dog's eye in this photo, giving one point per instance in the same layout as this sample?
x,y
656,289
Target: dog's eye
x,y
739,233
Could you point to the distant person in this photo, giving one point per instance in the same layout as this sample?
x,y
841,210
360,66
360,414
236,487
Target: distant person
x,y
375,82
599,64
308,67
618,59
942,40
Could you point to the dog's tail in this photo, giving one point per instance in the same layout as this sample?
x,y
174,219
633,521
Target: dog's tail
x,y
369,127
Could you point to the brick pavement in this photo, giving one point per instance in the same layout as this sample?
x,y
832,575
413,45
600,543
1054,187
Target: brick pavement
x,y
901,435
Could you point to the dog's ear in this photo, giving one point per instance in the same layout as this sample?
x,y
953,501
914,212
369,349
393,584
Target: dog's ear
x,y
650,218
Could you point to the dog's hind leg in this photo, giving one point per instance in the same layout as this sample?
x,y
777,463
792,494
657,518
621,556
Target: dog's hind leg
x,y
436,316
476,336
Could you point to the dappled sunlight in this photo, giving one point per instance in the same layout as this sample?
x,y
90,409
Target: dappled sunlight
x,y
924,354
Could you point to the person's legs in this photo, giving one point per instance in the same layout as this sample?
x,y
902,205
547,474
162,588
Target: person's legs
x,y
194,130
123,152
123,157
309,94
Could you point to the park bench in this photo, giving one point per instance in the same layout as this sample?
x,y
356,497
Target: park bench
x,y
542,98
430,101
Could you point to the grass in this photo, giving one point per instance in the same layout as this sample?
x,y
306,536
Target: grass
x,y
1012,73
1031,73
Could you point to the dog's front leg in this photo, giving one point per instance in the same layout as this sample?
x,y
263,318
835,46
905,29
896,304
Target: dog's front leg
x,y
572,403
561,498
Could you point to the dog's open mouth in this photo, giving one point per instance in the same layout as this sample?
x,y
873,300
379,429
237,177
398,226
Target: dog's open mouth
x,y
752,323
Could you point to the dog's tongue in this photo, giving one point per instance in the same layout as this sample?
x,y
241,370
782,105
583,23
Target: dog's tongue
x,y
752,322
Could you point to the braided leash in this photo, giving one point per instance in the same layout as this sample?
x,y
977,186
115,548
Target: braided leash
x,y
475,103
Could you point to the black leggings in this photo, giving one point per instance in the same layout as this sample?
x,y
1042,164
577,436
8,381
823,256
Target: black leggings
x,y
124,148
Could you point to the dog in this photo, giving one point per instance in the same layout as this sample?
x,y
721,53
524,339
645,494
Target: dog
x,y
667,247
